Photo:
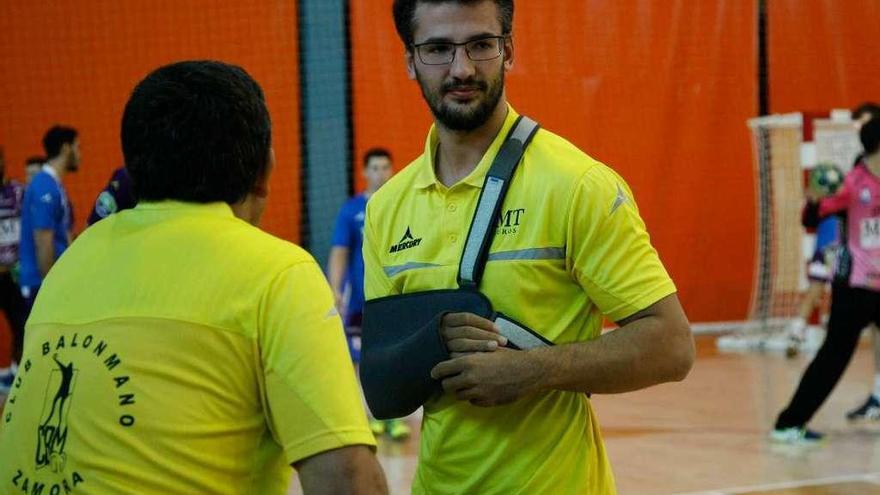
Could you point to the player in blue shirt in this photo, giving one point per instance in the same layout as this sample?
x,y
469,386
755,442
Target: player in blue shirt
x,y
346,266
46,218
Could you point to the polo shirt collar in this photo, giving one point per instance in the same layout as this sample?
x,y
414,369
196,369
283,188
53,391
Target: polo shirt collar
x,y
214,209
49,169
426,175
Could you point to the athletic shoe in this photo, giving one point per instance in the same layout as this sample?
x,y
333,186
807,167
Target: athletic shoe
x,y
796,436
377,426
870,410
796,336
398,429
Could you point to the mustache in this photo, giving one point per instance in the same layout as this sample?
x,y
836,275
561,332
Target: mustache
x,y
464,85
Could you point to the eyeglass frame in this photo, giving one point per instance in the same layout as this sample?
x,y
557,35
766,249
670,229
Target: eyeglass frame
x,y
500,37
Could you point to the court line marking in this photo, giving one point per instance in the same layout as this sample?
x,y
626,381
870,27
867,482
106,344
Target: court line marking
x,y
867,477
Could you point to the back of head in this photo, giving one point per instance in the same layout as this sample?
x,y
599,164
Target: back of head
x,y
56,137
866,111
404,15
375,152
870,136
196,131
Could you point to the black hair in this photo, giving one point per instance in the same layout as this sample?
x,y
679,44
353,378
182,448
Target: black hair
x,y
870,136
374,152
35,160
56,137
196,131
867,107
404,13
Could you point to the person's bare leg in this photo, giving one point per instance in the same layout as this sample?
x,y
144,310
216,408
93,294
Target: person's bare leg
x,y
797,329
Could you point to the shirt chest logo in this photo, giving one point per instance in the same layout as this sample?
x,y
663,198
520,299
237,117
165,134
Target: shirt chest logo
x,y
406,242
509,221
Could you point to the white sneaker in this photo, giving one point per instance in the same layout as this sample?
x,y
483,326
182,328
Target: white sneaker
x,y
796,436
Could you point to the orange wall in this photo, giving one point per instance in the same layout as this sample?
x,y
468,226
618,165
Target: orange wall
x,y
76,61
823,54
660,91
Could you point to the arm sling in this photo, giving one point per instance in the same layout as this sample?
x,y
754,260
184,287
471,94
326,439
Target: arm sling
x,y
401,339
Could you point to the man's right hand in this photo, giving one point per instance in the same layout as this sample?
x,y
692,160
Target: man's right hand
x,y
466,333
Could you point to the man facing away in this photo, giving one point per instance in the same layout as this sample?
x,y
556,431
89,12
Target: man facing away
x,y
46,219
176,348
569,248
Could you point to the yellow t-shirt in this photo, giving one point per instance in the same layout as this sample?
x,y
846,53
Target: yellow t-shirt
x,y
569,248
175,349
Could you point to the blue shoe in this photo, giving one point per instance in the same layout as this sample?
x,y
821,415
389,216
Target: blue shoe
x,y
796,436
870,410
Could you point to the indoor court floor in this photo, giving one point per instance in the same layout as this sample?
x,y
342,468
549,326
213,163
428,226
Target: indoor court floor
x,y
708,434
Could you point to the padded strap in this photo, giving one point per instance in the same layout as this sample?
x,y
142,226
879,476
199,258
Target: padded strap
x,y
479,240
518,335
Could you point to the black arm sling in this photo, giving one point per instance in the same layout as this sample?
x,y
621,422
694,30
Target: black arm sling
x,y
401,341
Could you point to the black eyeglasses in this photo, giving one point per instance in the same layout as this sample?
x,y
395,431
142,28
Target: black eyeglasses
x,y
443,53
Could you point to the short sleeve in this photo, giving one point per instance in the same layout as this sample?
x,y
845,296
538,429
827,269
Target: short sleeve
x,y
376,282
342,230
312,398
609,251
43,207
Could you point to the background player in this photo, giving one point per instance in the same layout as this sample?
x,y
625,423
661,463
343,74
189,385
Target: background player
x,y
346,267
47,218
855,296
11,193
824,180
870,409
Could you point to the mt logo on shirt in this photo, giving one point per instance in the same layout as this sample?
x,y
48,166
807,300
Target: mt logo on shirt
x,y
408,241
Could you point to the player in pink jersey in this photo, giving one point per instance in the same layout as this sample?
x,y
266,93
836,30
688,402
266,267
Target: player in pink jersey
x,y
855,296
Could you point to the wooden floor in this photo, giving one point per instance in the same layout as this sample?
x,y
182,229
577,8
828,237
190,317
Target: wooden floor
x,y
707,435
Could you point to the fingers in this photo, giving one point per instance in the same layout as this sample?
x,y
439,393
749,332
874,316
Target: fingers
x,y
469,320
448,368
471,345
469,327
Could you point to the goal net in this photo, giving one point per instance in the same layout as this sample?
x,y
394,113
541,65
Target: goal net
x,y
785,147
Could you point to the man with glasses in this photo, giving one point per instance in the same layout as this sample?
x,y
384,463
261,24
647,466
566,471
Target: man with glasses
x,y
511,421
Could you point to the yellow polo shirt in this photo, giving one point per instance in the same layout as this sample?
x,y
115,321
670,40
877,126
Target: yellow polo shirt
x,y
569,248
175,349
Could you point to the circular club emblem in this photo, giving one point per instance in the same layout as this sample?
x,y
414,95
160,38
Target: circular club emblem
x,y
105,205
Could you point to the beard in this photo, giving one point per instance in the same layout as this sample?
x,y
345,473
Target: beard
x,y
458,118
72,164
